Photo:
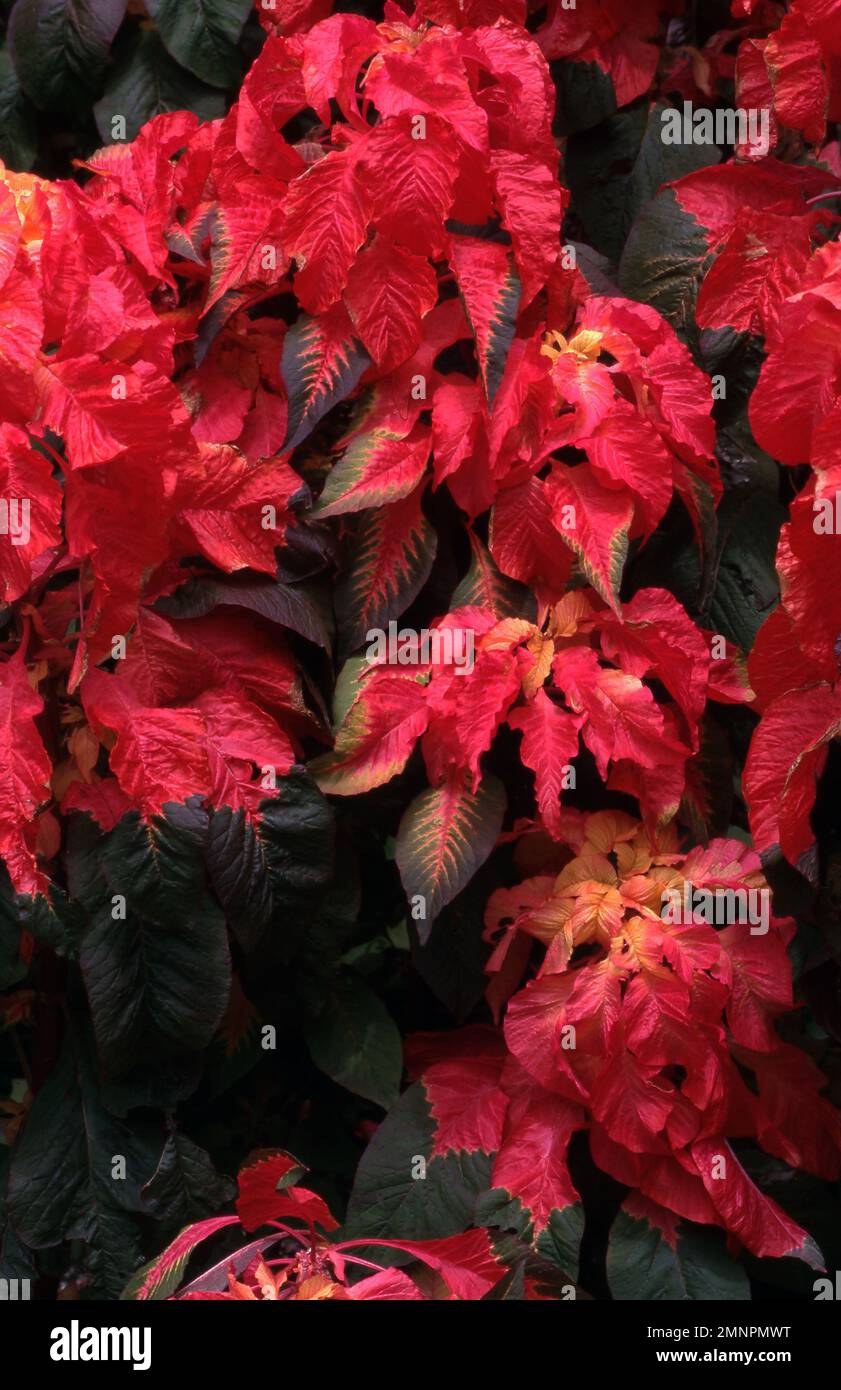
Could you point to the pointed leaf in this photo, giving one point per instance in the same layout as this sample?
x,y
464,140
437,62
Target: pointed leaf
x,y
444,836
388,564
490,288
322,362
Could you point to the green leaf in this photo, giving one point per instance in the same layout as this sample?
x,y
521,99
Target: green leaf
x,y
677,1261
597,170
618,167
268,877
662,261
203,35
144,82
394,1197
185,1186
61,48
445,835
487,587
376,469
157,981
355,1041
389,561
560,1243
452,961
321,364
746,586
18,132
585,95
739,587
560,1240
55,922
65,1180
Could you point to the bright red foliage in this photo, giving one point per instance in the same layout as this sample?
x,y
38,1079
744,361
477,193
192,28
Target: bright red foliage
x,y
236,344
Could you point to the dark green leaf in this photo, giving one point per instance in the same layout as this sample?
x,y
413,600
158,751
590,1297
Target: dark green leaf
x,y
290,605
662,260
391,1199
645,1263
618,167
355,1041
585,95
18,134
66,1179
267,877
144,82
185,1186
157,981
60,48
203,35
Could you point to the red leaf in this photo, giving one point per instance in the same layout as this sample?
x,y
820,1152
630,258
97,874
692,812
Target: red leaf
x,y
411,181
758,1222
265,1195
594,522
466,1104
30,511
388,292
26,780
325,218
164,1273
532,1161
786,757
621,717
550,742
490,289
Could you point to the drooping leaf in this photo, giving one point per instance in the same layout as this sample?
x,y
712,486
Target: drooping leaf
x,y
484,586
162,1275
594,522
322,362
26,781
388,292
445,835
388,563
325,218
267,877
550,742
387,1200
185,1186
288,605
18,142
490,287
380,729
158,976
62,1183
